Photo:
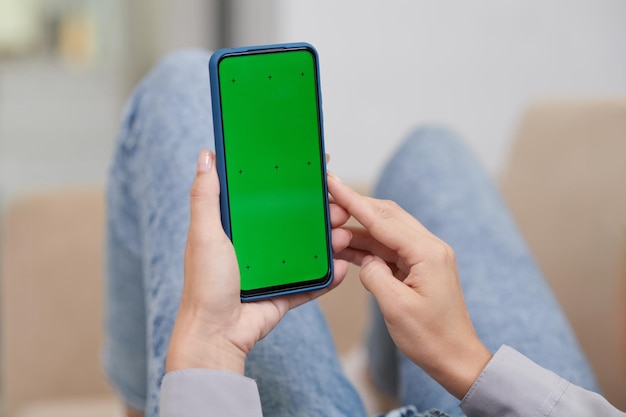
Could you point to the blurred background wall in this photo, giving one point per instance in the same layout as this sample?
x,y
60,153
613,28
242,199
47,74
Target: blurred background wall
x,y
388,66
67,66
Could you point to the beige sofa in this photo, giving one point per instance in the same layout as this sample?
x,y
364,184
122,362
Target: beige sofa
x,y
566,186
565,183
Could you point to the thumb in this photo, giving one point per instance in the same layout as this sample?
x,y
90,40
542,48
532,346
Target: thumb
x,y
377,278
204,200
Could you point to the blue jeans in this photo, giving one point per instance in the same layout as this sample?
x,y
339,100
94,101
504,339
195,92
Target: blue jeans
x,y
167,121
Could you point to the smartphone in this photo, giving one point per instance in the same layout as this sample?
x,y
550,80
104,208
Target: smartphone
x,y
271,163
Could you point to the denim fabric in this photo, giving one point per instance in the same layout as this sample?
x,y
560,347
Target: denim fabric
x,y
411,411
166,123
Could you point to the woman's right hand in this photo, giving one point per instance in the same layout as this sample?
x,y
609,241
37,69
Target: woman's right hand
x,y
413,276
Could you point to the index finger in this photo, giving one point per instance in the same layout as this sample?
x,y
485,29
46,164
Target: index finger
x,y
385,220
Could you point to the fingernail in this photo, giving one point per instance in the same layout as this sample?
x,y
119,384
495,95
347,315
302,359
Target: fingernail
x,y
366,260
205,162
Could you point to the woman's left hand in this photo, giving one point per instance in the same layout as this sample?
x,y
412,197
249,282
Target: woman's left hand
x,y
213,328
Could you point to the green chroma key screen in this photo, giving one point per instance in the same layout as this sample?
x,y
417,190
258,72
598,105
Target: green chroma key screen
x,y
274,171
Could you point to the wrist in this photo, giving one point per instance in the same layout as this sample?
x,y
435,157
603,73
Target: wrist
x,y
461,370
191,347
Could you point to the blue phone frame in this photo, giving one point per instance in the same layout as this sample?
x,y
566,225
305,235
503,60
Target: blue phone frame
x,y
221,158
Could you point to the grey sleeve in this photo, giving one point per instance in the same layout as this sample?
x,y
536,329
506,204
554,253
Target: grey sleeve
x,y
206,392
513,385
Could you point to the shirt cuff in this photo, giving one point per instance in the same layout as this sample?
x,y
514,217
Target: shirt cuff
x,y
513,385
202,392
